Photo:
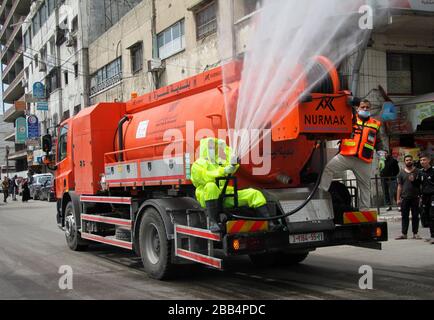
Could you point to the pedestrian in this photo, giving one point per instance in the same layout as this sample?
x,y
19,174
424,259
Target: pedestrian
x,y
26,190
408,198
388,178
426,178
356,154
14,188
5,187
11,188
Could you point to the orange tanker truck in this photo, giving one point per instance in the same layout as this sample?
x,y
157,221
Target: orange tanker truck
x,y
122,180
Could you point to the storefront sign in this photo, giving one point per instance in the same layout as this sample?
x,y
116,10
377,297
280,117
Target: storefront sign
x,y
38,90
32,127
20,130
419,5
42,106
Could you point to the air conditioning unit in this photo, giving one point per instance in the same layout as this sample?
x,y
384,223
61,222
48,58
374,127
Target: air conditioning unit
x,y
42,66
71,39
155,65
24,82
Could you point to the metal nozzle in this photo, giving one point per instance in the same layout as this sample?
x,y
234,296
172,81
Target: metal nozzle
x,y
283,178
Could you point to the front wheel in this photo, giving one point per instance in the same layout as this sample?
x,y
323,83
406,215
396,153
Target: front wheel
x,y
155,248
73,238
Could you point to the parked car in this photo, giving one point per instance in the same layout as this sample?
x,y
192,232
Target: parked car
x,y
37,183
48,191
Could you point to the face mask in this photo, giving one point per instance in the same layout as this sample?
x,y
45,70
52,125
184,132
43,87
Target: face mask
x,y
364,114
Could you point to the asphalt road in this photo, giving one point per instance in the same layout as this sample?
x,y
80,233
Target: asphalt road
x,y
32,249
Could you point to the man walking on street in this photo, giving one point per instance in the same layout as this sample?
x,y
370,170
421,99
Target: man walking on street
x,y
356,154
388,178
5,187
408,198
426,178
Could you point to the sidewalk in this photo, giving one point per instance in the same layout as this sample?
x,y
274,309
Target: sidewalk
x,y
393,215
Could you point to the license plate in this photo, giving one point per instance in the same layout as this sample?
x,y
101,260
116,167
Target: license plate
x,y
306,237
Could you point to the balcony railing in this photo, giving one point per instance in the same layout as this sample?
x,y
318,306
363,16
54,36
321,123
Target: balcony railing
x,y
14,33
11,14
14,83
12,62
107,83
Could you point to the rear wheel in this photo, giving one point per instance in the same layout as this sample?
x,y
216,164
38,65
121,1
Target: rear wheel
x,y
73,238
155,248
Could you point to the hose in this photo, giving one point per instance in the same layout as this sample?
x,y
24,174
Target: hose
x,y
301,206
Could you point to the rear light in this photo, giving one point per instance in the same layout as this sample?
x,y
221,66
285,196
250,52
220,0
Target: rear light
x,y
378,232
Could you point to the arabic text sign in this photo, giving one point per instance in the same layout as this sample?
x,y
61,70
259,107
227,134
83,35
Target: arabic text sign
x,y
42,106
38,90
20,130
32,127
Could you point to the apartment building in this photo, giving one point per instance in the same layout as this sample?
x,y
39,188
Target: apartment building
x,y
12,16
55,44
161,42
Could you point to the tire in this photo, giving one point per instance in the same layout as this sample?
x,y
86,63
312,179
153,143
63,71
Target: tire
x,y
155,249
73,238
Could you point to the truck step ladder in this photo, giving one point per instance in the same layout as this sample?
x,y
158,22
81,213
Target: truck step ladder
x,y
194,235
126,224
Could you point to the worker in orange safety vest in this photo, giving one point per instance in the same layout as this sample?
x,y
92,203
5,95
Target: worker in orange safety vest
x,y
356,154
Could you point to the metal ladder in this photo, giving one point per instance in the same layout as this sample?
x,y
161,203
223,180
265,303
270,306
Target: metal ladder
x,y
195,237
101,218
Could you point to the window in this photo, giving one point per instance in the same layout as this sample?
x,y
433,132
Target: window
x,y
43,13
35,23
43,64
51,5
52,81
27,39
250,6
66,115
65,74
77,109
410,74
35,58
136,53
76,70
63,143
106,76
171,40
243,8
206,21
75,24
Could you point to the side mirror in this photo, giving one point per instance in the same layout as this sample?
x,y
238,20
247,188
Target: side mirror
x,y
47,143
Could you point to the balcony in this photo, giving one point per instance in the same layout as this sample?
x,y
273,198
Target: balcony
x,y
10,137
12,38
8,19
15,90
18,155
17,110
11,64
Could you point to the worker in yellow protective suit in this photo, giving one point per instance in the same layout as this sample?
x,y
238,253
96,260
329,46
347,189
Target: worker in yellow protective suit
x,y
215,162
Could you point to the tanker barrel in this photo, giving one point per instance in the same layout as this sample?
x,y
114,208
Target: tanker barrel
x,y
120,137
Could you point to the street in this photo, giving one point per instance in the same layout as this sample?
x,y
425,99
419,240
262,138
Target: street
x,y
33,249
